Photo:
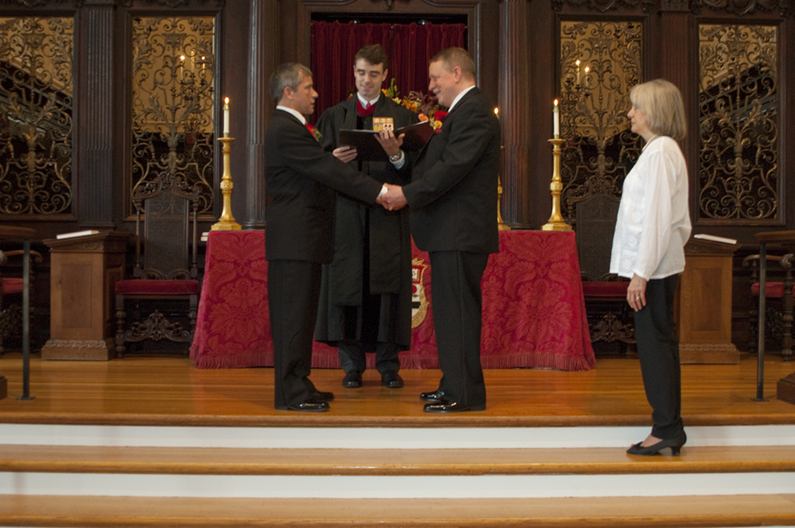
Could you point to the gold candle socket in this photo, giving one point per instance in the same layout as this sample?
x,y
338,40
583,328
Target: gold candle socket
x,y
227,221
556,222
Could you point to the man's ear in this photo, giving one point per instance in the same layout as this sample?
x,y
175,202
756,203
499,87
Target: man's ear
x,y
287,93
457,73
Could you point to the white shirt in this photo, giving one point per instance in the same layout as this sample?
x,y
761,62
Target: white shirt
x,y
653,222
458,98
365,102
296,113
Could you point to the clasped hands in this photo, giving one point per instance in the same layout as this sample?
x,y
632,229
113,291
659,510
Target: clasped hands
x,y
393,199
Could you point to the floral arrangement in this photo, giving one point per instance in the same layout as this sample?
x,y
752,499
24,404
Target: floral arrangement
x,y
425,106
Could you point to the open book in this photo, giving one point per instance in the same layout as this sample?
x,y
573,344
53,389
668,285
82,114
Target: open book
x,y
369,149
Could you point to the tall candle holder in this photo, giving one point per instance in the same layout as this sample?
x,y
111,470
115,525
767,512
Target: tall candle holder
x,y
227,221
556,221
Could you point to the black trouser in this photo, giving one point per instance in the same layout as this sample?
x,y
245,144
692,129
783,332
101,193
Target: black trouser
x,y
293,292
457,304
658,350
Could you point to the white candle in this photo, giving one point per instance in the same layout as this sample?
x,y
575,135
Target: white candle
x,y
587,69
556,119
578,71
226,116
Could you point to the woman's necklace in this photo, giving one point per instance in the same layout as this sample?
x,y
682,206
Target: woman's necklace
x,y
655,136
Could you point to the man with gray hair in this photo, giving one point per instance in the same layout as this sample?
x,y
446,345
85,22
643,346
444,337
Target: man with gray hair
x,y
301,179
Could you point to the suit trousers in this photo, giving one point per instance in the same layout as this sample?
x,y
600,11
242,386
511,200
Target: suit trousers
x,y
293,292
658,350
457,320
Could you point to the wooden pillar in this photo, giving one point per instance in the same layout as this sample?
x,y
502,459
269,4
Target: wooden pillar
x,y
514,103
94,170
263,59
679,65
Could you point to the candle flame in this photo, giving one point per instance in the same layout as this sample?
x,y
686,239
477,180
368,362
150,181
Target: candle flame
x,y
226,101
587,69
496,111
556,102
577,62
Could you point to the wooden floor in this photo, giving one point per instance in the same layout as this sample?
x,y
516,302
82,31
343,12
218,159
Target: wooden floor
x,y
153,391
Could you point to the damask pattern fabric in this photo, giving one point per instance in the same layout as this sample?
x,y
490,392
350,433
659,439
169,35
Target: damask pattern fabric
x,y
533,307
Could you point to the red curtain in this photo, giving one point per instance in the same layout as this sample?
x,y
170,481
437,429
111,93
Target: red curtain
x,y
408,46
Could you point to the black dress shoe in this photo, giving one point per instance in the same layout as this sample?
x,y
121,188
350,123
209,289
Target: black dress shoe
x,y
352,380
392,380
319,396
675,444
307,406
435,396
445,406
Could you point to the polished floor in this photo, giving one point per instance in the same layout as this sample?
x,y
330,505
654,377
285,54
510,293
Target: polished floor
x,y
170,390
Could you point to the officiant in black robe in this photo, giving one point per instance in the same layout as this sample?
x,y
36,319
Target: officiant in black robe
x,y
365,301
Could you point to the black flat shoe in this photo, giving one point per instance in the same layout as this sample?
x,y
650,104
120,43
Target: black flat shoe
x,y
675,444
435,396
307,406
451,407
392,380
352,380
319,396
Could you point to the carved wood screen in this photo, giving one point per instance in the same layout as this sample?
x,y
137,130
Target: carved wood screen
x,y
36,61
738,173
599,63
174,101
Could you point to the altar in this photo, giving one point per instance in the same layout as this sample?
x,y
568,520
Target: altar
x,y
533,307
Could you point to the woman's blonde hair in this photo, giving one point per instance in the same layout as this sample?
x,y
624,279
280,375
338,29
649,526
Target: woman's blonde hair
x,y
661,102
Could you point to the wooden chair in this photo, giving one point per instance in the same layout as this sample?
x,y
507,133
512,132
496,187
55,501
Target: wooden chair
x,y
779,291
165,265
610,318
11,290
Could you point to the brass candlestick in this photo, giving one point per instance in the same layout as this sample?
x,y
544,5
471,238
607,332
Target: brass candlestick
x,y
556,222
501,225
227,221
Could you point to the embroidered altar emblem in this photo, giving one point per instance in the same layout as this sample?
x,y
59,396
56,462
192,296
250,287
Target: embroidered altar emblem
x,y
419,302
383,123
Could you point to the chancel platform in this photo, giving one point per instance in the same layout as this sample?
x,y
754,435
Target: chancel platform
x,y
171,391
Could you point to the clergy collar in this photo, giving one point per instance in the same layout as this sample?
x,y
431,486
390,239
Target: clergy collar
x,y
296,113
365,101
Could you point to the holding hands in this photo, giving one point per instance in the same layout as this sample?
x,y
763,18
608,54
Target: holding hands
x,y
393,199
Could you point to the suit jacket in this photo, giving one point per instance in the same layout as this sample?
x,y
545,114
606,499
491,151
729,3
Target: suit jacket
x,y
453,193
301,178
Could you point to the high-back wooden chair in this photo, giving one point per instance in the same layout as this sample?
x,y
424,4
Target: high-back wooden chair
x,y
610,320
165,274
11,290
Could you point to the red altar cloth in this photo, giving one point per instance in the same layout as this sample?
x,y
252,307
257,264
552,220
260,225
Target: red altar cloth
x,y
533,307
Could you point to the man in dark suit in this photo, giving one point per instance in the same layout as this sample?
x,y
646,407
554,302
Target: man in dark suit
x,y
365,298
301,178
453,202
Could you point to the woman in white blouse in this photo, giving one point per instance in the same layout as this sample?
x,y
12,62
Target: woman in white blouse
x,y
652,228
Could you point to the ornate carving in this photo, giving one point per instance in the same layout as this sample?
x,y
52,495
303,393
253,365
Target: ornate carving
x,y
36,59
174,102
611,329
173,3
604,5
742,7
599,63
738,114
69,343
156,327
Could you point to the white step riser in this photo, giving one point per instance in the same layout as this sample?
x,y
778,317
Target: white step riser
x,y
381,438
345,487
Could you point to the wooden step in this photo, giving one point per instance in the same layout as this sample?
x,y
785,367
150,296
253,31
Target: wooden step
x,y
389,462
601,512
